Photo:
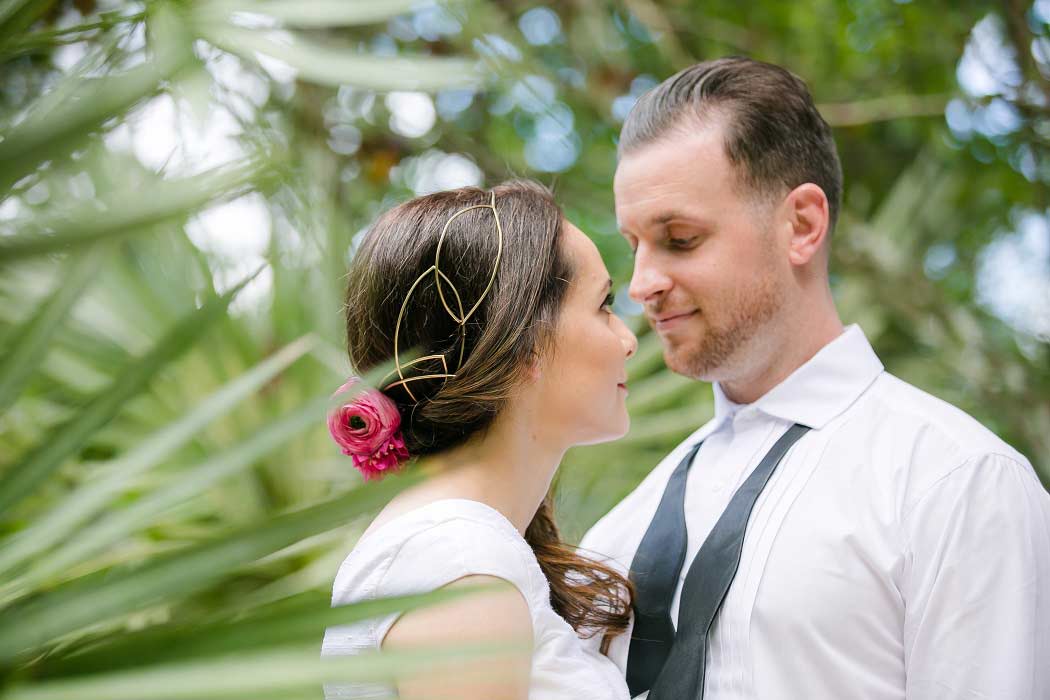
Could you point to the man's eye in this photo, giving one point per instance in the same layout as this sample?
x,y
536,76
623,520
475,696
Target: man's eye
x,y
681,242
609,299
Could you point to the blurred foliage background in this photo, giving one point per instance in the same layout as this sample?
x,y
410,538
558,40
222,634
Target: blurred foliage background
x,y
181,186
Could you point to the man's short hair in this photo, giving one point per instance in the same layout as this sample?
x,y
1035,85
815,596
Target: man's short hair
x,y
775,136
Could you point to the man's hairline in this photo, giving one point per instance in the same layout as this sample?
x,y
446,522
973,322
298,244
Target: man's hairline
x,y
760,200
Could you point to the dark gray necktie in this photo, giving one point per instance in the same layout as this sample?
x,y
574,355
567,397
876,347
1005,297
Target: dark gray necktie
x,y
654,573
679,663
709,578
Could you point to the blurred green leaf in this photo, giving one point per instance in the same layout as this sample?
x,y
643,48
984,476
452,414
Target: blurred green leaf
x,y
47,41
44,135
332,66
28,627
28,343
40,462
69,513
300,619
271,673
319,14
124,522
118,215
9,7
16,15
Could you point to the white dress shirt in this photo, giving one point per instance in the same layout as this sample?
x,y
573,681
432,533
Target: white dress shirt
x,y
900,550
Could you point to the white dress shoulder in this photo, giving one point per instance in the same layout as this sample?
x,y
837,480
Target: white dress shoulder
x,y
441,542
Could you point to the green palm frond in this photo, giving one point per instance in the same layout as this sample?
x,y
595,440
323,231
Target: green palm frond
x,y
42,460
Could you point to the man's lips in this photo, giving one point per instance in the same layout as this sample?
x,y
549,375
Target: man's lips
x,y
667,320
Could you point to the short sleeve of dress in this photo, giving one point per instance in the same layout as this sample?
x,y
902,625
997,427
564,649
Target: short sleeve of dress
x,y
447,551
443,542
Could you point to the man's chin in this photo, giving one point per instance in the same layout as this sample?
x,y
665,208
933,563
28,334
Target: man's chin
x,y
690,362
681,361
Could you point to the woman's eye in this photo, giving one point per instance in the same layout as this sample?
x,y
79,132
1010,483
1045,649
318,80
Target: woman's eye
x,y
609,299
681,242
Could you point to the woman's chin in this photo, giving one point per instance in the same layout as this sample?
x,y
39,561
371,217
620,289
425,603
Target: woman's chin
x,y
614,432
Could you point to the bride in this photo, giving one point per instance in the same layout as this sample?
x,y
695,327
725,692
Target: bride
x,y
506,306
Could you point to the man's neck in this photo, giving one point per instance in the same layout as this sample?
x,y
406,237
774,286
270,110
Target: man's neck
x,y
780,359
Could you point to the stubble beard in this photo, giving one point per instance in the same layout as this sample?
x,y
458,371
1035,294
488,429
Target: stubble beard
x,y
732,325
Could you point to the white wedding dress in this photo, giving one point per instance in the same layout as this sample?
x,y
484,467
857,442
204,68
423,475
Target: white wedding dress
x,y
443,541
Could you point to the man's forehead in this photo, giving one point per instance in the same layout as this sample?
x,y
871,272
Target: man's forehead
x,y
683,139
671,178
656,201
654,213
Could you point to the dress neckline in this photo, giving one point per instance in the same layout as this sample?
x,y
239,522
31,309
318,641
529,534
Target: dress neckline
x,y
490,514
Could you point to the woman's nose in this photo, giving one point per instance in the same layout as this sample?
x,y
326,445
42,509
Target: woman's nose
x,y
630,341
632,347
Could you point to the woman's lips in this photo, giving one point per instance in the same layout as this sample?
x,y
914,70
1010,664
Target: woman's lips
x,y
667,322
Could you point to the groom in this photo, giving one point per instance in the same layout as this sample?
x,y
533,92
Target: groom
x,y
833,533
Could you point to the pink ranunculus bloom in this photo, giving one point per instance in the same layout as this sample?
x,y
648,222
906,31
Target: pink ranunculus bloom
x,y
368,429
388,457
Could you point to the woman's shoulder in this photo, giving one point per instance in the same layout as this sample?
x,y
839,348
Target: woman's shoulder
x,y
446,541
433,545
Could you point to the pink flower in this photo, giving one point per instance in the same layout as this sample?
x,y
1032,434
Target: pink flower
x,y
368,429
387,458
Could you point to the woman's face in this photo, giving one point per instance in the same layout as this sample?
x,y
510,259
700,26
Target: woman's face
x,y
582,384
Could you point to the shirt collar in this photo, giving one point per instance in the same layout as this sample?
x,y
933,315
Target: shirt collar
x,y
819,390
725,408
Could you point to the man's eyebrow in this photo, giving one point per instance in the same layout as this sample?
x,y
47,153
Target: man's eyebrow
x,y
667,217
662,220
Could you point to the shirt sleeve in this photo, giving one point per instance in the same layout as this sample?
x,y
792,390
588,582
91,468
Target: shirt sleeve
x,y
976,585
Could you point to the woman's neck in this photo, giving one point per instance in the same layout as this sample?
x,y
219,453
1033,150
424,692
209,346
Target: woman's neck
x,y
509,469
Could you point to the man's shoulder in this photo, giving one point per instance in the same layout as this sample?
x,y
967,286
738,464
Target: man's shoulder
x,y
916,415
915,439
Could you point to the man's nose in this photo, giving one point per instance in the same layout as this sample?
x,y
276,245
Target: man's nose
x,y
648,281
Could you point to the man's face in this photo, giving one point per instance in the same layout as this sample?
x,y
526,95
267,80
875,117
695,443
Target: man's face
x,y
706,262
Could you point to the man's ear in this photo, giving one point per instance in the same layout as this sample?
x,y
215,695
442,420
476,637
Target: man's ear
x,y
807,214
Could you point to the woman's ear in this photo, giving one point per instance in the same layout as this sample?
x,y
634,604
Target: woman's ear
x,y
534,370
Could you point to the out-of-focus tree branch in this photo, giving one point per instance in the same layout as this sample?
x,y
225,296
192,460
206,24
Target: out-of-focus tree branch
x,y
880,109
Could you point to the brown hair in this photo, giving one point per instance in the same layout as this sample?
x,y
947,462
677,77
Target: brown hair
x,y
514,323
774,134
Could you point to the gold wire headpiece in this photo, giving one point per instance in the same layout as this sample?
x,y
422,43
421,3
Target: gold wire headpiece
x,y
461,319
